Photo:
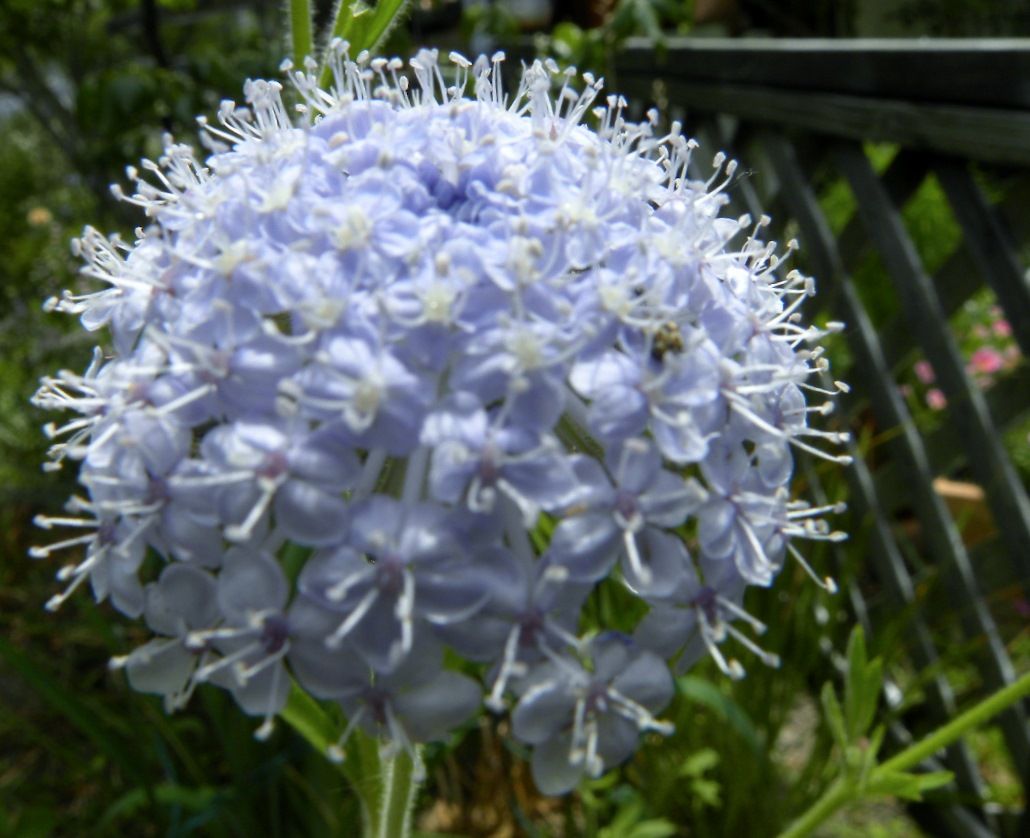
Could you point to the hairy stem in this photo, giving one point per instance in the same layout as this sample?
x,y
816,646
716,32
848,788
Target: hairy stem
x,y
399,790
301,37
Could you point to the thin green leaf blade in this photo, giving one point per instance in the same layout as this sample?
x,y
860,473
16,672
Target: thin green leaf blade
x,y
707,694
861,687
834,715
96,728
386,15
908,786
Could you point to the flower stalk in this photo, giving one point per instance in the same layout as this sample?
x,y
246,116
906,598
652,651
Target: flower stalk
x,y
400,788
301,30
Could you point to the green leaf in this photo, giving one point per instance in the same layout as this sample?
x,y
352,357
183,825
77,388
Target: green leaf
x,y
386,15
654,828
306,716
699,762
707,791
861,687
293,558
167,794
96,727
834,716
361,765
702,692
908,786
363,26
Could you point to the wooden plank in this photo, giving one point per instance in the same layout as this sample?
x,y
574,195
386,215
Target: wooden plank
x,y
943,539
981,72
991,245
977,133
988,461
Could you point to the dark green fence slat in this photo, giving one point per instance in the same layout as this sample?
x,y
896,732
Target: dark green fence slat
x,y
888,560
975,133
967,409
968,101
892,571
991,246
941,536
903,177
961,71
958,279
885,555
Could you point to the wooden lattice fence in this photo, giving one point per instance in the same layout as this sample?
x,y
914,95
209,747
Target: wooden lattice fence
x,y
799,114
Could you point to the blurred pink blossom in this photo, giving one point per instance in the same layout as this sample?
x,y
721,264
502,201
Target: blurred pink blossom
x,y
986,360
936,400
1002,328
924,372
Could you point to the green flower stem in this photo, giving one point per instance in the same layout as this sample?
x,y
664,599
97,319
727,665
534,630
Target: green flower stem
x,y
399,790
845,790
953,730
301,38
837,795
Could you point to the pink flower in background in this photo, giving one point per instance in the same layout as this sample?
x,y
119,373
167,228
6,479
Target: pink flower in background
x,y
936,400
924,372
986,360
1002,328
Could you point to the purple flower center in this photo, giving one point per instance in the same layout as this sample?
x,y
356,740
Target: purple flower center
x,y
274,466
390,574
531,625
626,505
274,632
707,600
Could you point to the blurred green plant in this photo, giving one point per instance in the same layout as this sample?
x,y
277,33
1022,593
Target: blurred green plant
x,y
862,776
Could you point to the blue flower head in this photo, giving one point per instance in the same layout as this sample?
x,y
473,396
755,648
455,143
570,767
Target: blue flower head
x,y
472,358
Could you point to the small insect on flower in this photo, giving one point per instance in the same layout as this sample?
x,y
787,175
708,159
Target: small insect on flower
x,y
471,359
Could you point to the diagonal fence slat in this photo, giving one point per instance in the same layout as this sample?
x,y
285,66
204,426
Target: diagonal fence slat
x,y
865,505
991,246
820,246
908,446
827,103
958,279
967,408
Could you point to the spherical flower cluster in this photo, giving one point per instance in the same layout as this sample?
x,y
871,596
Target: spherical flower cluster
x,y
410,371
